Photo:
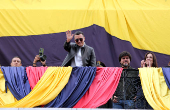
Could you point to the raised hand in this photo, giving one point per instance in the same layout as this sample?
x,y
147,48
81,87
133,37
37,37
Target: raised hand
x,y
69,35
143,63
148,62
43,63
37,58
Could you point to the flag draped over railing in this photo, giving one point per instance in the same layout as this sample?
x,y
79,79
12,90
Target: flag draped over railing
x,y
17,81
67,86
78,87
166,72
155,88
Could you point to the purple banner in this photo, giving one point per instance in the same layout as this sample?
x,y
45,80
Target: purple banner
x,y
107,48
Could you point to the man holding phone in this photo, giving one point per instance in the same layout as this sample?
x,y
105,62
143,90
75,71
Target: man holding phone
x,y
36,59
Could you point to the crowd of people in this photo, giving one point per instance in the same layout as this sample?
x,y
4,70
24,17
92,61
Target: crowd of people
x,y
80,54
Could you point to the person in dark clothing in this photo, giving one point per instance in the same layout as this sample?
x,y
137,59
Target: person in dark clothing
x,y
79,54
125,93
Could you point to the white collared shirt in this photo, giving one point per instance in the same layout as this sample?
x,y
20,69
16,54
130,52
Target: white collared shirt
x,y
77,60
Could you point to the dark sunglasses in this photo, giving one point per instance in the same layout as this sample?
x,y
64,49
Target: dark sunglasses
x,y
81,39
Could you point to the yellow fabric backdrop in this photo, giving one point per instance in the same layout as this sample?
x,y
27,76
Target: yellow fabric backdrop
x,y
145,23
155,89
5,98
47,88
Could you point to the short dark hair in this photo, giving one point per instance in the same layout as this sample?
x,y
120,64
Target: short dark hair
x,y
78,33
16,57
124,53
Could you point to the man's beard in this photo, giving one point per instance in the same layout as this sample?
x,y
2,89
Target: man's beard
x,y
125,65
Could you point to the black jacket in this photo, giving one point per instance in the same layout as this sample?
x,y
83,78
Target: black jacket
x,y
127,84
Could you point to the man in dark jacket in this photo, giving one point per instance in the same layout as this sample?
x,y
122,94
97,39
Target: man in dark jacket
x,y
79,54
125,93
